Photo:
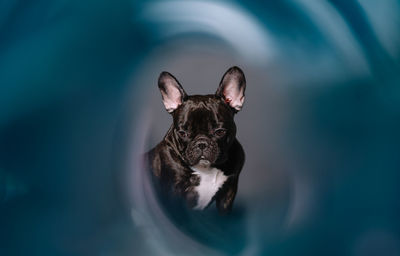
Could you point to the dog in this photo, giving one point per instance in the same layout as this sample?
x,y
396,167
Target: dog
x,y
199,160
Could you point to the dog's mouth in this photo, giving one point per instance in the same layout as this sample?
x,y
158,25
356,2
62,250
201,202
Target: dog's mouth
x,y
204,156
200,160
203,162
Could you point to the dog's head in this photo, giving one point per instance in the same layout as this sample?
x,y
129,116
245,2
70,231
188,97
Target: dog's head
x,y
203,125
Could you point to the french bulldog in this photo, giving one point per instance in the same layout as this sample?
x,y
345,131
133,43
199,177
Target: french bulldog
x,y
199,160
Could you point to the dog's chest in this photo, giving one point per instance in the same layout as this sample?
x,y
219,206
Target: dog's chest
x,y
211,180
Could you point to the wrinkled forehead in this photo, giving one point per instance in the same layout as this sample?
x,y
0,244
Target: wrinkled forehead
x,y
204,111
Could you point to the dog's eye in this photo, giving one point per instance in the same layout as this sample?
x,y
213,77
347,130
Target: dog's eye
x,y
220,132
182,133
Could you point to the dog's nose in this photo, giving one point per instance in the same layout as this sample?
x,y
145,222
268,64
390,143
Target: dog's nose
x,y
201,145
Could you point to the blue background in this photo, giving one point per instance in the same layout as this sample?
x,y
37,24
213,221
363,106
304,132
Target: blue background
x,y
69,73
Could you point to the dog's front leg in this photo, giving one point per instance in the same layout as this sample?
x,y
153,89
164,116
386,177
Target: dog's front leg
x,y
225,199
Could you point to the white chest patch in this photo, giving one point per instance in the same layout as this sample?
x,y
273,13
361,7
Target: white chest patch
x,y
211,180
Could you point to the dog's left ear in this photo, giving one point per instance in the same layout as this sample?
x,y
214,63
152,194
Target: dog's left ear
x,y
171,90
232,87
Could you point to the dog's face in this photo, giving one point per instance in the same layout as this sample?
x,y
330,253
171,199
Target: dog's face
x,y
203,125
204,129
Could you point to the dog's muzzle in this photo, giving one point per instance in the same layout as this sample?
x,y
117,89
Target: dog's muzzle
x,y
202,149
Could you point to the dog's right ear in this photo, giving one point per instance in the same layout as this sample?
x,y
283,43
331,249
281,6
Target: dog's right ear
x,y
171,90
232,87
